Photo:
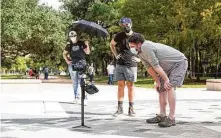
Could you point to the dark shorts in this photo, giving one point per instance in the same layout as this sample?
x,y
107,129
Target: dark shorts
x,y
176,75
125,73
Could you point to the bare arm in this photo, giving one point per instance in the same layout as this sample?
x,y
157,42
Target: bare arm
x,y
112,47
87,49
65,56
161,72
153,73
167,84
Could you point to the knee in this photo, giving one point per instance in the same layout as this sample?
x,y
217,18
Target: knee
x,y
121,84
130,84
75,83
164,103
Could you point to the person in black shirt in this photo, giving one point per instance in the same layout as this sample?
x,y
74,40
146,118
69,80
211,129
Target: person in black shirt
x,y
74,52
126,68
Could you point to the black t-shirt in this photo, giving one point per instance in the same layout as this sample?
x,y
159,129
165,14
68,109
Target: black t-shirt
x,y
123,48
76,50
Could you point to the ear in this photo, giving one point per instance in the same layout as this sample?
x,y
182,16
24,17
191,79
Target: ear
x,y
139,45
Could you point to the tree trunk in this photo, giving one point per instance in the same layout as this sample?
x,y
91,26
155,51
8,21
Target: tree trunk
x,y
217,61
196,61
103,68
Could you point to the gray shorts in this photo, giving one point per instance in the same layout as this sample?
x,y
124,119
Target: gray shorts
x,y
176,75
125,73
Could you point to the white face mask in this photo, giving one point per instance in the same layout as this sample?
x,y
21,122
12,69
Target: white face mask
x,y
133,50
73,39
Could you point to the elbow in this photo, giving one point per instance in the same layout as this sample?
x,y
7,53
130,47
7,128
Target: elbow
x,y
156,66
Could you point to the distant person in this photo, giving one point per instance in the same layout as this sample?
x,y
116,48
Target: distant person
x,y
110,71
36,73
46,71
189,74
91,73
168,67
30,72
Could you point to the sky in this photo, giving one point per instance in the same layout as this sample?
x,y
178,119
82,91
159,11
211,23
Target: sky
x,y
52,3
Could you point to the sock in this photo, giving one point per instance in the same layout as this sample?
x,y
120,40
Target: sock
x,y
120,104
131,104
162,115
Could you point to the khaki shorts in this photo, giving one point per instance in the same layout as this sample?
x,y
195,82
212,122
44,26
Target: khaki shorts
x,y
176,75
125,73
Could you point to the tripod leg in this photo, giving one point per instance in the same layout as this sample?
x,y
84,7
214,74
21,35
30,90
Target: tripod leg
x,y
81,126
82,102
82,105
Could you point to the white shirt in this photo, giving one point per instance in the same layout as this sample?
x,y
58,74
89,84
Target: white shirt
x,y
110,69
91,70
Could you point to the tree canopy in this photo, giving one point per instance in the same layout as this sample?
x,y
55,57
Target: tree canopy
x,y
38,31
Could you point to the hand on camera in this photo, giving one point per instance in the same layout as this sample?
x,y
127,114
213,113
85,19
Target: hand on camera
x,y
69,62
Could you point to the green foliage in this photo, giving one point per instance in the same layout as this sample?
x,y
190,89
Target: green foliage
x,y
31,29
193,27
39,32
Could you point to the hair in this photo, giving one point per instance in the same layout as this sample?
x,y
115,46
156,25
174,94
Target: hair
x,y
136,38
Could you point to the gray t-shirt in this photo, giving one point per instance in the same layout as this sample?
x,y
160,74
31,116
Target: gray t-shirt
x,y
155,54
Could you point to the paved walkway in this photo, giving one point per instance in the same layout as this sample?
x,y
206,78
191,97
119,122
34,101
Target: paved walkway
x,y
48,111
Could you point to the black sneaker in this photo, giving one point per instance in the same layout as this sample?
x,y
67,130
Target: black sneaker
x,y
131,112
118,112
167,122
156,119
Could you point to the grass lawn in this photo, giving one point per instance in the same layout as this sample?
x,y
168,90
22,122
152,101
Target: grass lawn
x,y
11,76
148,82
141,82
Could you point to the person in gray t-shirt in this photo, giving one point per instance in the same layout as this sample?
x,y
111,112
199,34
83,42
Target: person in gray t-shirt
x,y
168,68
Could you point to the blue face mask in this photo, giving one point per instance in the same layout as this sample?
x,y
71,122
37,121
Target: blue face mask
x,y
134,51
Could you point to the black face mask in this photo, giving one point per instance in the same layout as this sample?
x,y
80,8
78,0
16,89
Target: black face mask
x,y
127,29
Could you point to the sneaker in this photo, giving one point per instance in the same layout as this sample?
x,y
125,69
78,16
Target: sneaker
x,y
168,122
85,102
118,112
76,100
131,112
156,119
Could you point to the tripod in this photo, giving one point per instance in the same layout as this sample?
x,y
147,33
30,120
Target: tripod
x,y
82,83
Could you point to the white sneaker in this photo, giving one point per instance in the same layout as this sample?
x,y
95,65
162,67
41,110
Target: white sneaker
x,y
76,100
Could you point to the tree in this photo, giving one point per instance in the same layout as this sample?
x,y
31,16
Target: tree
x,y
32,29
190,26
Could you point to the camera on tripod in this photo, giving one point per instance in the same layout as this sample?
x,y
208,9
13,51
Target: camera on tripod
x,y
81,66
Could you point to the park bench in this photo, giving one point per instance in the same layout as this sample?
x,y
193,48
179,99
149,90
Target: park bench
x,y
213,84
23,85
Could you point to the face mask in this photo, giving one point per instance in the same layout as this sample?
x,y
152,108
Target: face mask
x,y
74,39
134,51
127,29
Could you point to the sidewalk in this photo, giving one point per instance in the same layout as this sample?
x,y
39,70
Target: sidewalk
x,y
51,113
